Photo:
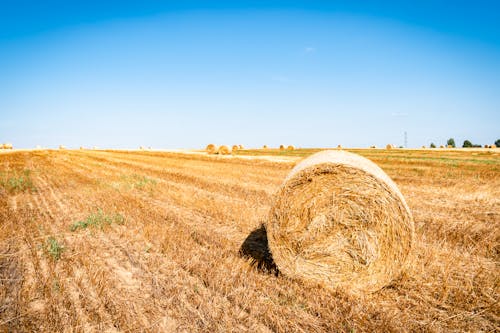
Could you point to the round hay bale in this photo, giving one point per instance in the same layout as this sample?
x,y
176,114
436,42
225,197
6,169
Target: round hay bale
x,y
235,147
340,221
241,147
449,146
7,146
389,146
493,146
62,147
373,147
441,146
282,147
339,146
2,146
264,147
290,147
224,150
211,149
423,147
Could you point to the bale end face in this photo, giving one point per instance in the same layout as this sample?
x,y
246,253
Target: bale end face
x,y
340,221
224,150
211,149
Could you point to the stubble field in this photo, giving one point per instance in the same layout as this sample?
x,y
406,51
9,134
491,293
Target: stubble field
x,y
116,241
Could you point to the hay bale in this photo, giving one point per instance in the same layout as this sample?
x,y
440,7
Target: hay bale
x,y
264,147
389,146
7,146
441,146
241,147
212,149
340,221
290,147
373,147
449,146
235,147
339,146
493,146
62,147
224,150
423,147
282,147
82,147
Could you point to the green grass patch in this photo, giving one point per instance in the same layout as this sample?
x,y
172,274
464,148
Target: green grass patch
x,y
53,248
138,182
98,220
17,182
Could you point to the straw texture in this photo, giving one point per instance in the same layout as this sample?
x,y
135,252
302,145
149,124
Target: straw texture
x,y
340,221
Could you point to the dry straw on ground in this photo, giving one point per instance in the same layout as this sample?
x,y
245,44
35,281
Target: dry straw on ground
x,y
211,149
340,221
224,150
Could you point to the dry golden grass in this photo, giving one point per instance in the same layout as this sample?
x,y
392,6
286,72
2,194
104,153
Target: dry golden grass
x,y
191,254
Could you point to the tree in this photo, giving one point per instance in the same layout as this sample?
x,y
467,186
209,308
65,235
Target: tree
x,y
497,143
451,142
467,144
432,145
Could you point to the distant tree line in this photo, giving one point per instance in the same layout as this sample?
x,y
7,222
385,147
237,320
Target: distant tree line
x,y
467,144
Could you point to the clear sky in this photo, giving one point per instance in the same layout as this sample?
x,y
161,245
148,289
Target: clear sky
x,y
120,74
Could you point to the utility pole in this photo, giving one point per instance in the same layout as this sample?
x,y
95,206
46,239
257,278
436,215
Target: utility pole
x,y
406,140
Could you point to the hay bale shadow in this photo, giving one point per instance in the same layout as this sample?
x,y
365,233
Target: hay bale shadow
x,y
256,248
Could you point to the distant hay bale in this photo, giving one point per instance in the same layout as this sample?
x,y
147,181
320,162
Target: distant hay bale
x,y
340,221
339,147
282,147
62,147
141,147
290,148
441,146
423,147
212,149
493,146
389,146
264,147
373,147
241,147
449,146
235,147
224,150
82,147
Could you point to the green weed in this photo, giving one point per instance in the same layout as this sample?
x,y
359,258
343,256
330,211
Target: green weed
x,y
98,220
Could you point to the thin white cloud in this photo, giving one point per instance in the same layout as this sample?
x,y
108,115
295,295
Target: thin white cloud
x,y
310,49
280,78
399,114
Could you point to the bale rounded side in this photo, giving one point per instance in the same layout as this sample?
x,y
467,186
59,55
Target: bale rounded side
x,y
340,221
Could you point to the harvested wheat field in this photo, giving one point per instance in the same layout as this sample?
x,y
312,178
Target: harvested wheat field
x,y
141,241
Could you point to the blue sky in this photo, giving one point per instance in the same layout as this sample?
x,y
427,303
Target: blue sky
x,y
180,75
